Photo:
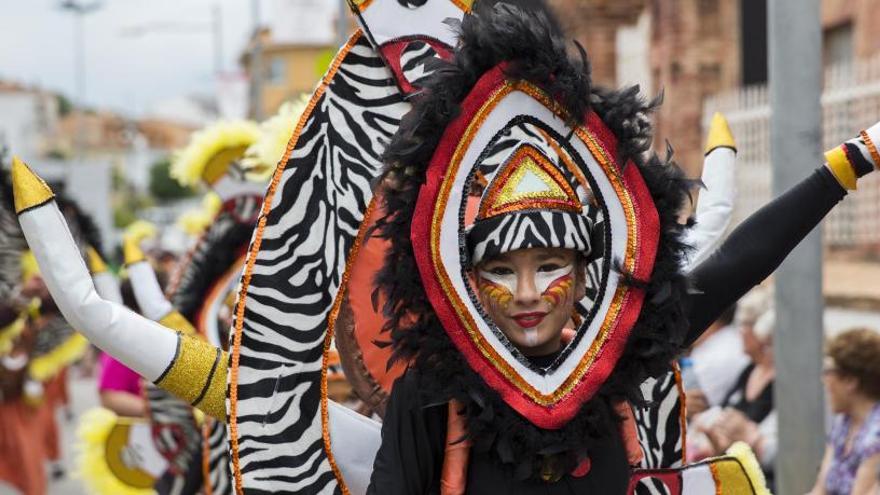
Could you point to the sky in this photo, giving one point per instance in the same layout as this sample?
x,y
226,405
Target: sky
x,y
127,74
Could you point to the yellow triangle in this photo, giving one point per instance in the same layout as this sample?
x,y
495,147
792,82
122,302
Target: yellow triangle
x,y
529,181
96,263
28,189
720,135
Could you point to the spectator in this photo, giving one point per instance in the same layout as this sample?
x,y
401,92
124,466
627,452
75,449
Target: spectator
x,y
747,413
718,358
852,381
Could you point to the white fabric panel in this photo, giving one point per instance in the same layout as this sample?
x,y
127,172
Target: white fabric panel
x,y
387,20
714,206
108,287
142,345
147,291
354,441
697,480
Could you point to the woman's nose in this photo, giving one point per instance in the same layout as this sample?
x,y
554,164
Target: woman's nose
x,y
526,290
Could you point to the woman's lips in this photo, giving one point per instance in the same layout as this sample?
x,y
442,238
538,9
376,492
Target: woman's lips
x,y
529,320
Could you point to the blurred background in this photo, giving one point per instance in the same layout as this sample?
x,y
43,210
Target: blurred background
x,y
98,94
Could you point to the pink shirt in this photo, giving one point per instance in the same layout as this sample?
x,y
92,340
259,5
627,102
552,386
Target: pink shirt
x,y
115,376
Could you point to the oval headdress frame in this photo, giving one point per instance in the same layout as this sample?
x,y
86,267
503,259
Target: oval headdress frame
x,y
549,400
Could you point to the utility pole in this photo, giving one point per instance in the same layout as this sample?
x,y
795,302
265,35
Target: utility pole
x,y
795,49
342,23
217,32
80,10
257,65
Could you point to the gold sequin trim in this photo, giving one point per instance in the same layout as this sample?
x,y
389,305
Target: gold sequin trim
x,y
872,148
503,198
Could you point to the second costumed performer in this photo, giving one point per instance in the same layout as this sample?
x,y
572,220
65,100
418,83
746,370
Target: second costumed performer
x,y
532,282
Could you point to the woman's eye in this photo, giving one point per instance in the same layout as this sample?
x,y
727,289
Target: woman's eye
x,y
501,270
549,267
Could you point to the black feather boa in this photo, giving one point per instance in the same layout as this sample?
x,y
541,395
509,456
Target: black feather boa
x,y
535,50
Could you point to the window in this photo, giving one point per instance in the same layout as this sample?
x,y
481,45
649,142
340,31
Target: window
x,y
838,45
275,71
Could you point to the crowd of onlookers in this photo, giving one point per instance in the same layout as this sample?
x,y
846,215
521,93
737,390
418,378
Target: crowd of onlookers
x,y
729,376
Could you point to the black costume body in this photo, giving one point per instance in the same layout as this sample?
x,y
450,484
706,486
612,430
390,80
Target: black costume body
x,y
410,459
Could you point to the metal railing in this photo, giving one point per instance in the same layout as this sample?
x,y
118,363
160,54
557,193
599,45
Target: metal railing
x,y
850,103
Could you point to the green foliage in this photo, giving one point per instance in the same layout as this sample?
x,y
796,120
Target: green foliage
x,y
65,106
162,186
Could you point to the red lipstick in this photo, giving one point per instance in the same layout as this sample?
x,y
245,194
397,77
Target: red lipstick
x,y
529,320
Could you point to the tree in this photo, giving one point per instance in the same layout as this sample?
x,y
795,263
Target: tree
x,y
162,186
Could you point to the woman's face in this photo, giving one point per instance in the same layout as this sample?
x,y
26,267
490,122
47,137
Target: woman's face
x,y
839,387
530,294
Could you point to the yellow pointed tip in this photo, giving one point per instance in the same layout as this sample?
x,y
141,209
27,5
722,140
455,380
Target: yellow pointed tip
x,y
720,135
131,250
28,189
96,263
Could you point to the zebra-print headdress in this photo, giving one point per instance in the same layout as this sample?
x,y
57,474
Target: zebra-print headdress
x,y
510,103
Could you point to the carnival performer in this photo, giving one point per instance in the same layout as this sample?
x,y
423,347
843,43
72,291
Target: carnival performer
x,y
507,156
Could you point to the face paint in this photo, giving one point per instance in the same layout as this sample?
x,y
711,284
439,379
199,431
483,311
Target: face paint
x,y
494,291
555,285
531,335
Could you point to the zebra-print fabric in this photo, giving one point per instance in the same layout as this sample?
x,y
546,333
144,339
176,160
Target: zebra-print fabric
x,y
217,473
415,62
217,250
291,282
659,430
531,229
174,432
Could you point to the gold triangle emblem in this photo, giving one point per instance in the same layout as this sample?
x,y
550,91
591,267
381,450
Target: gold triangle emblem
x,y
529,181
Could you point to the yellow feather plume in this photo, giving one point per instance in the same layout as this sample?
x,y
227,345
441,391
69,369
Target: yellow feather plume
x,y
196,221
263,156
226,139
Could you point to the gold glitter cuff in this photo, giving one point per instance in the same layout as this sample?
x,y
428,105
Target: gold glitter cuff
x,y
192,373
213,400
842,169
176,321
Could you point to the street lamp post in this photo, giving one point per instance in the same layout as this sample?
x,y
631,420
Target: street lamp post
x,y
80,10
257,65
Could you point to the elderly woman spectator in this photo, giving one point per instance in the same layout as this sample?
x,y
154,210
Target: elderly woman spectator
x,y
852,382
746,413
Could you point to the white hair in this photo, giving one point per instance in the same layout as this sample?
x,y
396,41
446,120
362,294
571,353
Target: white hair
x,y
754,304
763,328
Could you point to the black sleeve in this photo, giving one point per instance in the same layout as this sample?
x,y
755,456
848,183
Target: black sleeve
x,y
410,459
757,247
